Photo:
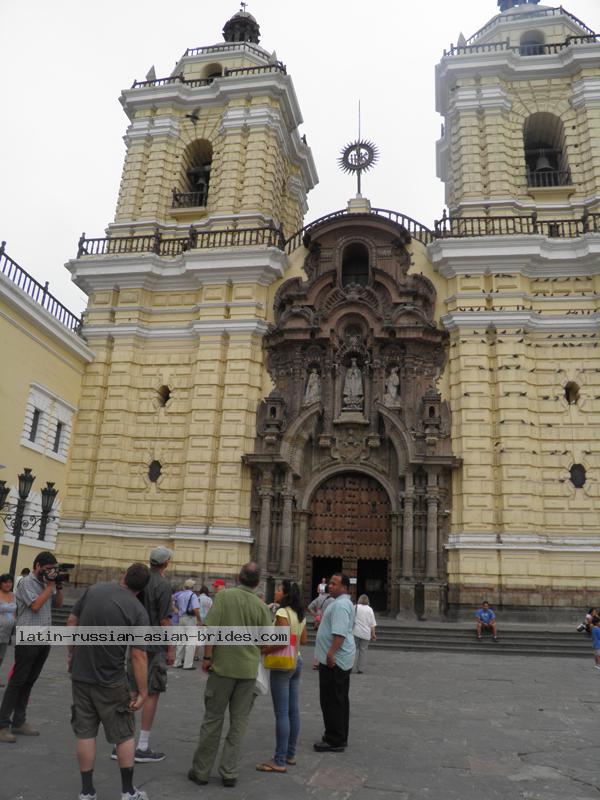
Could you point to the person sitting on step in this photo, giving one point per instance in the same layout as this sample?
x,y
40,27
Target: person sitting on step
x,y
486,620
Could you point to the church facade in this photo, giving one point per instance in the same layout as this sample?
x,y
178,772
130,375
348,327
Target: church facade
x,y
416,405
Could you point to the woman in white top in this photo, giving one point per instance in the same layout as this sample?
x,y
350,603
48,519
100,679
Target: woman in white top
x,y
285,684
364,630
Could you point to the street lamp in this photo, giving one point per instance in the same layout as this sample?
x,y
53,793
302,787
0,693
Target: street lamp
x,y
15,514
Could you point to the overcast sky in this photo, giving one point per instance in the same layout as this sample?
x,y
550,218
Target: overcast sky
x,y
63,64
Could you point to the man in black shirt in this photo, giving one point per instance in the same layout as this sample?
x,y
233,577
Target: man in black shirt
x,y
100,687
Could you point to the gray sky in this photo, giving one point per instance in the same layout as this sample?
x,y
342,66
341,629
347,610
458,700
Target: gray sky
x,y
63,64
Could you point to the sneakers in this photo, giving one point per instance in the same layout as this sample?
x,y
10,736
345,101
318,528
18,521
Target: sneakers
x,y
138,794
147,757
25,730
580,628
596,666
6,736
87,796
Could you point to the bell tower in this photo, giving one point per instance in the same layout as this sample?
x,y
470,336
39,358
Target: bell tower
x,y
215,143
181,291
521,105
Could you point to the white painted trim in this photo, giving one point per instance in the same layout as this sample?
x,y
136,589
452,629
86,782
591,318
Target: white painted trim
x,y
551,542
527,254
530,321
586,93
192,269
34,313
132,530
191,330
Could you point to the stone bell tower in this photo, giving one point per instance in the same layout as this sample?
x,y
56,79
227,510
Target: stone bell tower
x,y
519,247
181,289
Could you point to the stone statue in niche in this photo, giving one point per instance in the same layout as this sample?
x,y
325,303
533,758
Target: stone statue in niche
x,y
392,385
312,393
353,388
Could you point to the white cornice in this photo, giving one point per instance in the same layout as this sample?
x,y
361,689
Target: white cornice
x,y
187,271
529,321
531,255
472,98
43,320
509,65
175,332
586,92
549,542
149,127
132,530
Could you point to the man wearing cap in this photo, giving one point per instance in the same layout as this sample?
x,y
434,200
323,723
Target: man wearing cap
x,y
157,600
188,608
218,585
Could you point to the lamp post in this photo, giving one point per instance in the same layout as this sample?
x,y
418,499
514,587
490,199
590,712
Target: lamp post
x,y
15,514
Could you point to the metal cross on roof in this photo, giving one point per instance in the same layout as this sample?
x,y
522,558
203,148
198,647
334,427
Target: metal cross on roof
x,y
243,6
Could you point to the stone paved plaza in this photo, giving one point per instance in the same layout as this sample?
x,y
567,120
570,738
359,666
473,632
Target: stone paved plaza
x,y
423,726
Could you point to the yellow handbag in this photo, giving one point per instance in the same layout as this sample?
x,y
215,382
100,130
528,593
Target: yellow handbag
x,y
284,658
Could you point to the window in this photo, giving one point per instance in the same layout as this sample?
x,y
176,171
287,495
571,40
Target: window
x,y
572,393
532,44
57,437
195,177
164,395
35,421
213,71
578,475
154,471
355,265
545,156
47,424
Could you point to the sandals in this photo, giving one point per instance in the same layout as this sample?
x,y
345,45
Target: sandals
x,y
270,767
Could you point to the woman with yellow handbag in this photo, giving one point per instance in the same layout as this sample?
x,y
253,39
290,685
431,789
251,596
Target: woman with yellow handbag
x,y
285,666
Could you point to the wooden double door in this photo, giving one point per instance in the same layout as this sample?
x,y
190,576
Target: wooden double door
x,y
350,530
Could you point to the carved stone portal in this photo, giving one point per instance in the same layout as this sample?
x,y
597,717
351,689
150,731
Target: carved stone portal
x,y
355,369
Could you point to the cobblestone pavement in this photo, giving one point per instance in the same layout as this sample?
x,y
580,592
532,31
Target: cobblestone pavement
x,y
423,726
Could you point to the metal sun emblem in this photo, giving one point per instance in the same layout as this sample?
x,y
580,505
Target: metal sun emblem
x,y
358,157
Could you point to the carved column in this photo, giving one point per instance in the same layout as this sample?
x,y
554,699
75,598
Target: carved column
x,y
408,543
264,530
285,556
394,571
432,526
303,520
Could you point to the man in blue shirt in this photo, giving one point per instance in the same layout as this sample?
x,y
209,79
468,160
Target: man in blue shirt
x,y
486,619
335,651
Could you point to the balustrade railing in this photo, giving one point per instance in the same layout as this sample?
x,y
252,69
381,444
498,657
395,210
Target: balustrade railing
x,y
233,72
461,227
226,47
38,292
539,12
188,199
527,50
162,246
549,177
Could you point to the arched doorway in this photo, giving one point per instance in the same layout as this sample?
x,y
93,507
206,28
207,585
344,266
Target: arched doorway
x,y
349,529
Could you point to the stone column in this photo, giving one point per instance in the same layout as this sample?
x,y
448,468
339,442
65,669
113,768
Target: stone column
x,y
266,501
432,526
394,571
303,520
408,543
285,555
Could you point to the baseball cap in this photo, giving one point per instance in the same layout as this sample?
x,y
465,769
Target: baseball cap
x,y
160,555
219,582
189,584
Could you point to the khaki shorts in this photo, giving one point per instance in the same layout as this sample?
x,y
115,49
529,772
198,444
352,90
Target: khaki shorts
x,y
109,705
157,673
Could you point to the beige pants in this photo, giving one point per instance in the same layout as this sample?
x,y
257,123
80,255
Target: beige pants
x,y
184,654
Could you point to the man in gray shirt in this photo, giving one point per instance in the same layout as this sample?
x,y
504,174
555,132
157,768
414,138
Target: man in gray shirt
x,y
99,679
34,596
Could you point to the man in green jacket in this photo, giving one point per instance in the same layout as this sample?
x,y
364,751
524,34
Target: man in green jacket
x,y
232,676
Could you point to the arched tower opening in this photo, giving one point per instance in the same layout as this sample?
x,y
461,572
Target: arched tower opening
x,y
545,151
196,164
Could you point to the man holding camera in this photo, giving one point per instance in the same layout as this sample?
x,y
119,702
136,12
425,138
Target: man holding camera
x,y
35,595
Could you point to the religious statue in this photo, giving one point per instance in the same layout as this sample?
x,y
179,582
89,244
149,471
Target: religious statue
x,y
353,388
391,388
313,388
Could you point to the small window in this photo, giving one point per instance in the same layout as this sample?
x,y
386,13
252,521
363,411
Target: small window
x,y
57,437
578,475
213,71
532,44
164,395
431,412
154,471
355,265
572,393
35,421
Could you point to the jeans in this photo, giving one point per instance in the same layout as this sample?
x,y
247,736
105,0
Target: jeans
x,y
362,645
334,688
29,662
285,690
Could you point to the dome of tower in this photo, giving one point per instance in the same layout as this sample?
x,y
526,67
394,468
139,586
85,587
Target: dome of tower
x,y
242,27
516,5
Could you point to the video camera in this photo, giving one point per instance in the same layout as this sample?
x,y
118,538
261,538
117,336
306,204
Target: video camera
x,y
59,573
